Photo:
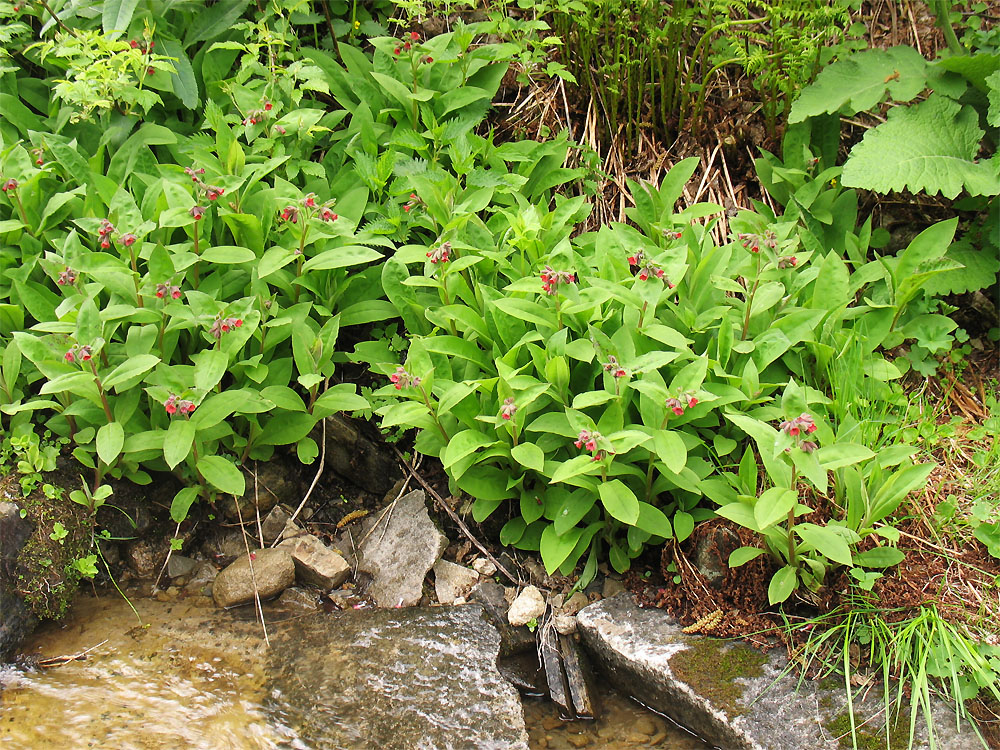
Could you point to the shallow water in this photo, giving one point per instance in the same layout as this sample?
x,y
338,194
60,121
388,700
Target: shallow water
x,y
191,676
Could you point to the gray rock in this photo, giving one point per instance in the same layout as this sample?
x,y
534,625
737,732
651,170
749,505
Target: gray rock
x,y
276,482
274,523
397,680
730,694
353,456
712,551
453,581
513,641
529,605
403,545
179,565
201,579
273,572
16,618
315,563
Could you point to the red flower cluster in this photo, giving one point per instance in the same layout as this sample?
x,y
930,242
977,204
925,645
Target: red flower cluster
x,y
173,405
551,279
753,242
648,269
224,325
795,427
308,206
441,254
406,45
587,440
67,277
141,45
82,353
197,212
104,233
677,405
788,261
509,408
212,192
614,368
413,203
11,184
166,290
402,379
128,239
257,115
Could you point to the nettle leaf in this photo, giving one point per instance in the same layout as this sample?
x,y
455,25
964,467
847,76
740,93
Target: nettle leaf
x,y
930,147
860,82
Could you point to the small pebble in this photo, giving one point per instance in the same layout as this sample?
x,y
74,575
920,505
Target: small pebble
x,y
645,725
551,722
578,740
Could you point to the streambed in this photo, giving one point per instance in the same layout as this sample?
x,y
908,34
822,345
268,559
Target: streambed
x,y
192,676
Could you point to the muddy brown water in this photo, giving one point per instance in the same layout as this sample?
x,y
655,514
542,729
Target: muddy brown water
x,y
191,676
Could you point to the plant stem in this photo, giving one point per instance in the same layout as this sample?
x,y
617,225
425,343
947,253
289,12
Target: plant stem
x,y
749,300
791,521
195,271
434,416
20,207
100,390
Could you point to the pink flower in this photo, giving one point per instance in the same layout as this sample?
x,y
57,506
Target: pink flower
x,y
402,379
551,279
197,212
170,405
85,353
310,201
508,409
67,277
290,213
325,214
587,440
212,192
11,184
441,254
414,36
692,402
69,356
129,239
268,106
675,405
643,274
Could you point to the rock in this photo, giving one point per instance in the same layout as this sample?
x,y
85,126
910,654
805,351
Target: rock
x,y
575,603
16,618
298,600
645,725
529,605
396,680
274,523
315,563
276,482
453,582
400,550
523,672
201,579
179,565
273,572
734,696
484,567
353,456
145,556
513,640
712,551
564,624
611,587
578,740
222,546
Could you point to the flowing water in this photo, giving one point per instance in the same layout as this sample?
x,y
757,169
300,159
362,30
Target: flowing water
x,y
185,675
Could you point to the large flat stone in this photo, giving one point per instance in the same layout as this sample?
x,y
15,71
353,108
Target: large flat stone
x,y
273,571
399,549
16,618
315,563
396,680
734,696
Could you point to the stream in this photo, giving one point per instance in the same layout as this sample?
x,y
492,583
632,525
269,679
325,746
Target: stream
x,y
183,674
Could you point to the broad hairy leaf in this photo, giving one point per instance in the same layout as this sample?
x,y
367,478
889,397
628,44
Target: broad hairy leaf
x,y
930,147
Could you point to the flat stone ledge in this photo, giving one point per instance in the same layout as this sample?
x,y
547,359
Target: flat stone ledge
x,y
734,696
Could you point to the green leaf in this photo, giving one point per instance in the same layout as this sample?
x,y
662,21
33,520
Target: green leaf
x,y
214,20
670,449
178,441
574,467
342,257
620,502
287,428
486,483
838,455
744,555
929,147
228,255
683,525
463,444
879,557
222,474
181,503
341,397
110,439
529,455
555,548
184,83
826,541
116,15
772,506
859,82
131,369
783,583
653,521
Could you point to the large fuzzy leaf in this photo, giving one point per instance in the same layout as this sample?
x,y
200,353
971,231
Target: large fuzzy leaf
x,y
993,94
930,147
979,272
861,81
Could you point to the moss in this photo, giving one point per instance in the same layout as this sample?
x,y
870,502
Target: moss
x,y
46,578
712,667
840,727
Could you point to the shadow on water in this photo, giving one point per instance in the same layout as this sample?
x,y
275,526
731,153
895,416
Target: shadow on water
x,y
194,677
